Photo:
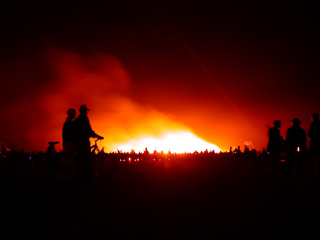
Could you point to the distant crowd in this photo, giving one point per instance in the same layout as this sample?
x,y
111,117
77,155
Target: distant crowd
x,y
292,150
142,157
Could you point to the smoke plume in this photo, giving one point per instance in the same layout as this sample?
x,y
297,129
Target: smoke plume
x,y
38,89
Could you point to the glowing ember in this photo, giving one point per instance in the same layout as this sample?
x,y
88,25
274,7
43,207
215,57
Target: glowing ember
x,y
174,141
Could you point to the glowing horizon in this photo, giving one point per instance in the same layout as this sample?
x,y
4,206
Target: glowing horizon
x,y
173,141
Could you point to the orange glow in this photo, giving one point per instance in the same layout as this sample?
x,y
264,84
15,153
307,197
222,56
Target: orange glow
x,y
174,141
102,83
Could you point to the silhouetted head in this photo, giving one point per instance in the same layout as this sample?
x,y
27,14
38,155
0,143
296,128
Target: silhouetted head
x,y
83,109
315,116
71,113
296,122
277,123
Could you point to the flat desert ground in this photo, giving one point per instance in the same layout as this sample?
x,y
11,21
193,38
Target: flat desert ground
x,y
177,200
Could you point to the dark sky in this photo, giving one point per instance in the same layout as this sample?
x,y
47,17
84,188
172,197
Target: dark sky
x,y
225,70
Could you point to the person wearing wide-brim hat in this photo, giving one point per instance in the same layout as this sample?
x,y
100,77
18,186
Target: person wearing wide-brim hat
x,y
296,140
83,108
83,133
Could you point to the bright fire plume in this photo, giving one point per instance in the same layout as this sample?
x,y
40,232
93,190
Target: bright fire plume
x,y
100,81
173,141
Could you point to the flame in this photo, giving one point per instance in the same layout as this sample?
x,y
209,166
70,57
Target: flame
x,y
102,83
174,141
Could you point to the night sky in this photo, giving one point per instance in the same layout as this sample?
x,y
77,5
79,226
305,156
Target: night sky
x,y
225,71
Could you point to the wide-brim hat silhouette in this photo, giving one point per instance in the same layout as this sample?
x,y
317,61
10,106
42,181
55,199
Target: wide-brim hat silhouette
x,y
83,107
296,121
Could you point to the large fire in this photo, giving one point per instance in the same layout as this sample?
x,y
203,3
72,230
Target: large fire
x,y
173,141
103,84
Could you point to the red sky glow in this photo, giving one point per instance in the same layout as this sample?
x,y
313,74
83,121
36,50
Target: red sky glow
x,y
223,72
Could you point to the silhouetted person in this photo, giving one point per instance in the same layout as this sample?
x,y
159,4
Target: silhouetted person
x,y
237,153
314,134
246,150
276,144
83,134
68,132
296,146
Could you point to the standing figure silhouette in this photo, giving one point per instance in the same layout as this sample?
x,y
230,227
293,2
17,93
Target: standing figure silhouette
x,y
83,134
314,134
296,146
68,132
276,145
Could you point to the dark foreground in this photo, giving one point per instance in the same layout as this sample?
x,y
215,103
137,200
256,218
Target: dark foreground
x,y
204,200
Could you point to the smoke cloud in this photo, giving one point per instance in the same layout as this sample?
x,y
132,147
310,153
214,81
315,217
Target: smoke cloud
x,y
39,88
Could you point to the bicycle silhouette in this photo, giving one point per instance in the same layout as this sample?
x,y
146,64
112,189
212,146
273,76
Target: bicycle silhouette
x,y
62,167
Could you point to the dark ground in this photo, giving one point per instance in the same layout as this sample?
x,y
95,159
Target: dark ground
x,y
204,200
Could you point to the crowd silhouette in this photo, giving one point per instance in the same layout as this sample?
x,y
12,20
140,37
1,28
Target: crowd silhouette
x,y
290,152
294,148
76,133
